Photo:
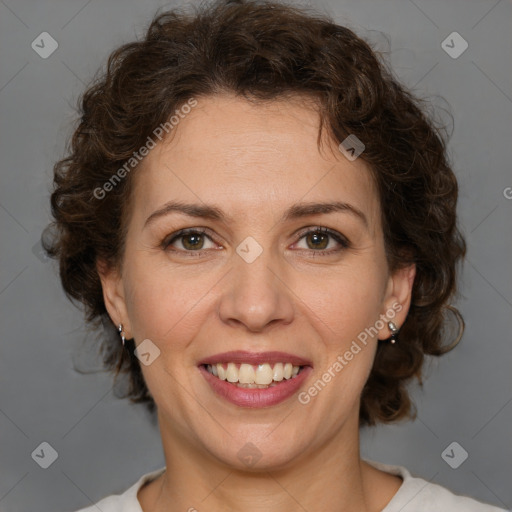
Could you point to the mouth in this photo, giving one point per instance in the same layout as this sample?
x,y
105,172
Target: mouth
x,y
250,379
251,376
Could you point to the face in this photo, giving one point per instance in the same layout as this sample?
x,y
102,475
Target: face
x,y
258,272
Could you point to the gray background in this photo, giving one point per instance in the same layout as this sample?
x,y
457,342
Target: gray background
x,y
105,444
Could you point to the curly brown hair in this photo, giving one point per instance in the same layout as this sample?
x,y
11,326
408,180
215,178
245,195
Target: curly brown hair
x,y
265,50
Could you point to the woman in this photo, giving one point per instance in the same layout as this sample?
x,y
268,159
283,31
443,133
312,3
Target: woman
x,y
267,218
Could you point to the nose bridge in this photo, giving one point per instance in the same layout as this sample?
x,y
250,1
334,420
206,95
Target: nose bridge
x,y
256,293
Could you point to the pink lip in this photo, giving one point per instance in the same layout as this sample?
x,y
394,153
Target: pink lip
x,y
241,356
254,398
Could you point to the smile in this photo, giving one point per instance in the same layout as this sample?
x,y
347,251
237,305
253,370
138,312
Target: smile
x,y
255,379
259,376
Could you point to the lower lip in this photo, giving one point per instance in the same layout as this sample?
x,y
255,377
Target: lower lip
x,y
255,397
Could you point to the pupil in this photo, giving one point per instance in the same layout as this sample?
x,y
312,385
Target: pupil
x,y
193,245
316,236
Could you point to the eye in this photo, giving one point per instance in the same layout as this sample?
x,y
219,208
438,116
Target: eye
x,y
319,238
190,239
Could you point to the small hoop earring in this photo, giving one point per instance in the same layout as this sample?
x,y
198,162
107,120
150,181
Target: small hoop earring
x,y
121,333
394,331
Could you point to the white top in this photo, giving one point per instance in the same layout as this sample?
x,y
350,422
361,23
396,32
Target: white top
x,y
414,495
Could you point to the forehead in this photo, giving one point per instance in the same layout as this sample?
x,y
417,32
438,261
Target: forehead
x,y
250,158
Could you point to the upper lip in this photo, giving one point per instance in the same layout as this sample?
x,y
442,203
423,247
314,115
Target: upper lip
x,y
241,356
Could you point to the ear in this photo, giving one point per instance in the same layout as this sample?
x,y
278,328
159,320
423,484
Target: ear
x,y
114,295
397,299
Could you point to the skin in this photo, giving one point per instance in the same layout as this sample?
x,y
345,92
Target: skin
x,y
253,162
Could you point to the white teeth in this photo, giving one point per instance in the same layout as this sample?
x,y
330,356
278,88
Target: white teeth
x,y
232,373
220,370
264,374
246,374
279,372
254,377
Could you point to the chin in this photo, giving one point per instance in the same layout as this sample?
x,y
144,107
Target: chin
x,y
266,453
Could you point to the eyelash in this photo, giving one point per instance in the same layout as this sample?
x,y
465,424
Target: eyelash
x,y
345,244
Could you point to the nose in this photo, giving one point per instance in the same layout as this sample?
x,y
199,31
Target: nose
x,y
257,294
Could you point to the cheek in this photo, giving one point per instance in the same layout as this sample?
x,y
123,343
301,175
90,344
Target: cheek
x,y
342,314
343,308
165,305
344,303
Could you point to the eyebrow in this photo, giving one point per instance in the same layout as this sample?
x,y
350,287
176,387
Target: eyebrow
x,y
295,211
